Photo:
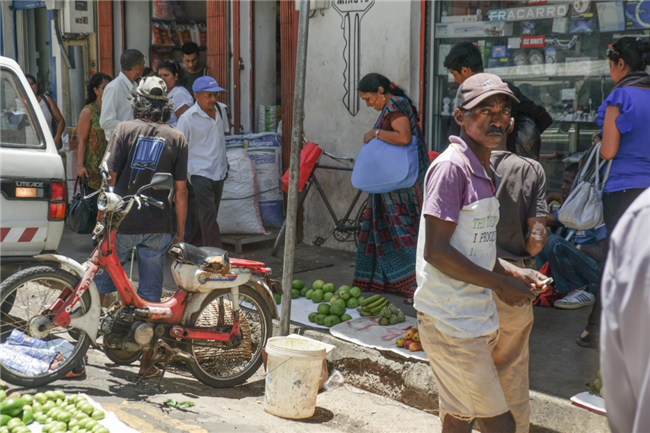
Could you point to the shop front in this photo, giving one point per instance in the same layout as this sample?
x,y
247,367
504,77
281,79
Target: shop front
x,y
554,51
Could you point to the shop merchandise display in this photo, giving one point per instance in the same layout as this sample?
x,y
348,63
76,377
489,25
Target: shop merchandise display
x,y
410,341
554,52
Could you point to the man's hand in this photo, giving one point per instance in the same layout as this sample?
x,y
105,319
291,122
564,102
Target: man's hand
x,y
180,237
515,292
533,277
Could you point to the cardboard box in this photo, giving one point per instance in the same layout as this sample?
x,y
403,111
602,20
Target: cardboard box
x,y
499,62
499,51
637,15
611,16
582,23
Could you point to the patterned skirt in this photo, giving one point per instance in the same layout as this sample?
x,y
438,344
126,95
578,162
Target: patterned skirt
x,y
388,242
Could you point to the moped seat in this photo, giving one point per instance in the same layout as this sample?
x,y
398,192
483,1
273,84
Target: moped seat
x,y
205,257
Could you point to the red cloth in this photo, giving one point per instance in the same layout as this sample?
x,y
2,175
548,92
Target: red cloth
x,y
547,298
309,156
433,155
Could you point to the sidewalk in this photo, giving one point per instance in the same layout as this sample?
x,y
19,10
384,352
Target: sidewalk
x,y
559,368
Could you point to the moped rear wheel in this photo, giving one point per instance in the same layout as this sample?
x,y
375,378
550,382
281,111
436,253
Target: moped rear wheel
x,y
220,364
23,298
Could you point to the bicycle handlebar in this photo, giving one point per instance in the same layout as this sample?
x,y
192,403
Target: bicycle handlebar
x,y
338,158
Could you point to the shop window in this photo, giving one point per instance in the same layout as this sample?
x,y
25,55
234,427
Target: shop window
x,y
555,52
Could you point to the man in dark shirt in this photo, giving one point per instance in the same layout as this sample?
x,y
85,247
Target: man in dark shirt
x,y
139,149
521,234
464,60
192,65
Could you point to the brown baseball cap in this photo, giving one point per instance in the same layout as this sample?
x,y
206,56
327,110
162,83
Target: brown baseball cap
x,y
478,87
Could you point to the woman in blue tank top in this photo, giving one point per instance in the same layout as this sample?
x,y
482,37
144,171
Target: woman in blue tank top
x,y
625,118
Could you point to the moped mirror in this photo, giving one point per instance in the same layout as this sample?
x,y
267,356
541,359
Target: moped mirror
x,y
159,181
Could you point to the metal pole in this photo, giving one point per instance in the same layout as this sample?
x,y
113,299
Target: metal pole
x,y
294,166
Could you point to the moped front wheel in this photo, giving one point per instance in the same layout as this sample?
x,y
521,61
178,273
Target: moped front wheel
x,y
33,352
224,364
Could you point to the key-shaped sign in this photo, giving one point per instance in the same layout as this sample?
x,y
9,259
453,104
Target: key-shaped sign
x,y
352,11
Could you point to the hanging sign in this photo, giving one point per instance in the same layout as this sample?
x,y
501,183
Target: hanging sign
x,y
537,2
533,41
529,13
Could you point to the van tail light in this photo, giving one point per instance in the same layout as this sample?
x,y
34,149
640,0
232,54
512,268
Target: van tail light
x,y
58,199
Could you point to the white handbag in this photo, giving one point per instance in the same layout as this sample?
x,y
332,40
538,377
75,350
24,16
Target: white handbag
x,y
583,208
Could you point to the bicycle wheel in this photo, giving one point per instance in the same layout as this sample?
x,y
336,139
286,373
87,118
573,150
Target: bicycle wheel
x,y
215,363
279,241
359,219
23,298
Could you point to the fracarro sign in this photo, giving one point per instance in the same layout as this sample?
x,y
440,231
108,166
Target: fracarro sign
x,y
529,13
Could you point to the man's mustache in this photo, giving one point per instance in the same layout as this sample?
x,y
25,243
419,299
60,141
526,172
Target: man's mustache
x,y
496,130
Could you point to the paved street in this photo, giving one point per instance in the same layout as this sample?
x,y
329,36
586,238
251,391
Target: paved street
x,y
240,409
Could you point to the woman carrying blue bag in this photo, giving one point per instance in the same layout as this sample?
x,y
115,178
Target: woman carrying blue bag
x,y
388,236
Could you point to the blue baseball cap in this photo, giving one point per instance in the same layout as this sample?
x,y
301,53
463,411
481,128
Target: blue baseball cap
x,y
206,84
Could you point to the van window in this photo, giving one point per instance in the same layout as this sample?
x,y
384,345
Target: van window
x,y
18,125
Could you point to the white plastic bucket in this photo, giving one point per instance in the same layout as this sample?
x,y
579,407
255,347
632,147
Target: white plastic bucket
x,y
293,375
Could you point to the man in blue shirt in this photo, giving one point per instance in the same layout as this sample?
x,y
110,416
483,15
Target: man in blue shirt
x,y
575,257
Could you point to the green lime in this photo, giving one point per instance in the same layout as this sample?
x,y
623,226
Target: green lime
x,y
304,291
360,299
352,303
309,293
345,318
278,298
345,295
337,310
344,288
295,293
312,317
334,298
318,284
339,302
317,296
355,292
329,287
320,319
327,296
332,320
324,309
297,284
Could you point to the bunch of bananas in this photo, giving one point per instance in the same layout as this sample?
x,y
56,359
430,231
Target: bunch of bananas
x,y
372,306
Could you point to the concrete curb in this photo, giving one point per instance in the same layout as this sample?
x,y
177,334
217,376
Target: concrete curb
x,y
410,381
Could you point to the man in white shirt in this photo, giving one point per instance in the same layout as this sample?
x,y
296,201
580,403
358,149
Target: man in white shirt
x,y
204,126
116,103
624,343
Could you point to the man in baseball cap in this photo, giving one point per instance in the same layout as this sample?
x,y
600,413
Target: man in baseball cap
x,y
456,263
139,149
204,125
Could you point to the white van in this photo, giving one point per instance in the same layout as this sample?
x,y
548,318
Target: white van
x,y
32,178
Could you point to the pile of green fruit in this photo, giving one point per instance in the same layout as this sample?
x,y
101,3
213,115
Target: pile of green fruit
x,y
57,412
391,315
333,310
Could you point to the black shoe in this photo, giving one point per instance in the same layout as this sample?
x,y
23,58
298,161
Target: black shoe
x,y
590,341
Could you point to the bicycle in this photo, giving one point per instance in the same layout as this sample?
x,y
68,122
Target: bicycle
x,y
344,228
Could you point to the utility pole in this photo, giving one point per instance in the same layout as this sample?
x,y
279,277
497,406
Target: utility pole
x,y
294,166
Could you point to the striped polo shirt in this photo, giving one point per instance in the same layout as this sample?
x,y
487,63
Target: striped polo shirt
x,y
458,189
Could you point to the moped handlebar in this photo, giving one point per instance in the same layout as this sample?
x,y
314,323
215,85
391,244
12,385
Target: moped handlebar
x,y
153,201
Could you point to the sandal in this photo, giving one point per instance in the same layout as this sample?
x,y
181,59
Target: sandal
x,y
590,340
154,372
408,301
